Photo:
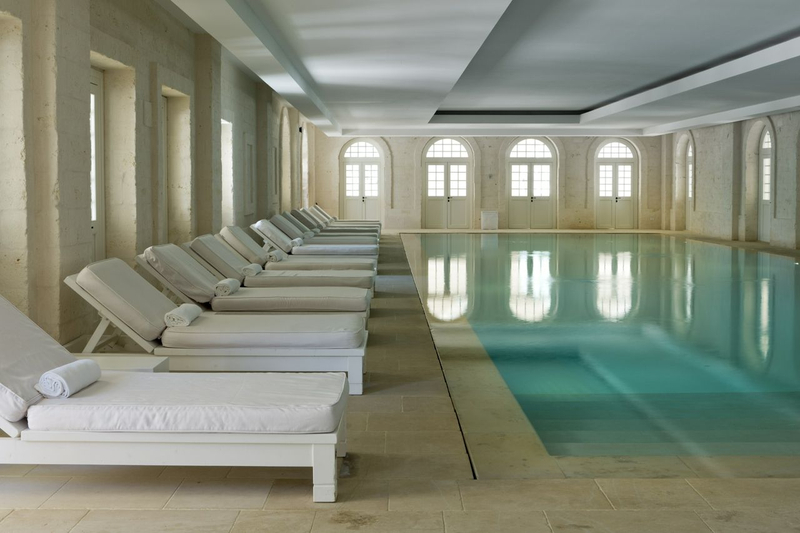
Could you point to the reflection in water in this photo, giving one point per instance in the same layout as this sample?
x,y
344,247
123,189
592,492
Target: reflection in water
x,y
764,333
531,285
447,286
614,285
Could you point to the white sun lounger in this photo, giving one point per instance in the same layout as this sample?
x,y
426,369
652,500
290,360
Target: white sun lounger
x,y
335,221
192,282
229,264
221,342
291,231
239,240
304,224
132,418
275,237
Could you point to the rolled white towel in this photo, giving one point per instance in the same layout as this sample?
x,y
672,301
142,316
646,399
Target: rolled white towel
x,y
297,242
64,381
226,287
308,234
276,256
182,315
252,269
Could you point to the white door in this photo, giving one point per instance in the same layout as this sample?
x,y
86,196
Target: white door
x,y
96,172
615,196
765,200
531,200
447,200
362,191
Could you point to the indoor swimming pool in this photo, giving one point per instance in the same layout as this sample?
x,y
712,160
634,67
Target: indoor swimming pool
x,y
627,344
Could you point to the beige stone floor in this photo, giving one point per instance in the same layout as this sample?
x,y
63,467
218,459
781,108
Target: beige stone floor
x,y
408,471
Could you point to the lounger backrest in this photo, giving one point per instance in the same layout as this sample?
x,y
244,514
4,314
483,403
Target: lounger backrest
x,y
26,353
318,217
273,234
183,271
127,295
228,263
287,227
306,220
244,244
297,223
324,214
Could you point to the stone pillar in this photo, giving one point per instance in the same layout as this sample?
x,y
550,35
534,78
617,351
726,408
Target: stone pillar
x,y
208,171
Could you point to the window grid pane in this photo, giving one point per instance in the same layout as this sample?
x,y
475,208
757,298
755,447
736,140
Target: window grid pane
x,y
362,150
435,180
766,179
351,184
767,144
606,181
690,150
541,181
447,148
458,180
531,148
519,180
624,180
371,181
615,150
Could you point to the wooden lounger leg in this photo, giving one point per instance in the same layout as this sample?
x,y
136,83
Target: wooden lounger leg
x,y
324,468
96,336
341,437
355,375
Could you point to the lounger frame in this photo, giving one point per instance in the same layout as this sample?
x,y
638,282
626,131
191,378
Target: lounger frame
x,y
261,359
318,451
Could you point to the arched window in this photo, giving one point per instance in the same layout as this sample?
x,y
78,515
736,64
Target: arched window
x,y
531,286
690,170
616,186
614,285
530,185
447,185
765,186
447,287
360,198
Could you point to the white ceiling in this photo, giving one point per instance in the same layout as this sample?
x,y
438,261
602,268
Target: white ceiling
x,y
516,67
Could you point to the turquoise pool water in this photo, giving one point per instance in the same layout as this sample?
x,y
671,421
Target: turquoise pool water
x,y
631,344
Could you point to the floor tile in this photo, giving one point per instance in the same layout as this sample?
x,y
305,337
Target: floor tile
x,y
41,520
141,521
195,473
626,522
425,442
15,470
99,471
375,404
418,467
297,494
532,495
274,522
618,467
634,494
417,421
495,521
252,472
383,522
735,494
424,495
427,404
102,493
28,493
510,456
366,442
221,494
752,521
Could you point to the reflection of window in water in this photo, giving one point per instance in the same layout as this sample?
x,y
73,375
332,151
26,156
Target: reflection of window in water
x,y
530,299
447,287
614,285
764,305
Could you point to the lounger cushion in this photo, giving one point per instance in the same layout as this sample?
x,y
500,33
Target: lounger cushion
x,y
312,278
202,403
326,262
336,249
307,299
127,295
244,244
227,263
273,234
27,352
183,271
274,331
289,229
